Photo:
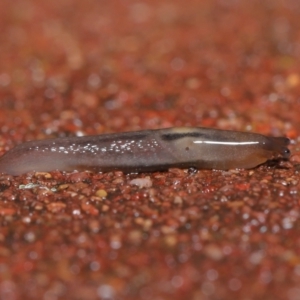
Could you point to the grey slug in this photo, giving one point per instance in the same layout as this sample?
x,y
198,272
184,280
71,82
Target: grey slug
x,y
149,150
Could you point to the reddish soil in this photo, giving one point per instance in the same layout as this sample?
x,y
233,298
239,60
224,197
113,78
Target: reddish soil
x,y
91,67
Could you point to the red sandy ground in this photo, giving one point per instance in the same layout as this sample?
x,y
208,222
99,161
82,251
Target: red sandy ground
x,y
90,67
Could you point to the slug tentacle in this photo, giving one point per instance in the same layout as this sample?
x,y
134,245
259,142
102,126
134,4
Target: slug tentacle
x,y
149,150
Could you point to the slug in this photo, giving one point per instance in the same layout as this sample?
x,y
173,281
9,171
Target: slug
x,y
146,151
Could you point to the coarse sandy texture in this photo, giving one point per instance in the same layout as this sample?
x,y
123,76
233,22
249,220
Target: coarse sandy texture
x,y
90,67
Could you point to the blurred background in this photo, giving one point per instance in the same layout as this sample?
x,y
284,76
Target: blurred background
x,y
74,67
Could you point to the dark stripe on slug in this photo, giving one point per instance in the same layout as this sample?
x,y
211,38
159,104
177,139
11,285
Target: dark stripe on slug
x,y
105,138
122,137
177,136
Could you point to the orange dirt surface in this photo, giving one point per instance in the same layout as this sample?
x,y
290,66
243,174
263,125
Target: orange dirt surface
x,y
76,67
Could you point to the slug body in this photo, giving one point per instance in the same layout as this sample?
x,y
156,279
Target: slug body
x,y
143,151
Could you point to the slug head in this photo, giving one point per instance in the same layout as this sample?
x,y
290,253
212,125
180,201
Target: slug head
x,y
277,147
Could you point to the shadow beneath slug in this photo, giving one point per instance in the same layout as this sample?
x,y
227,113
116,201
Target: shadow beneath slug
x,y
280,163
3,187
4,184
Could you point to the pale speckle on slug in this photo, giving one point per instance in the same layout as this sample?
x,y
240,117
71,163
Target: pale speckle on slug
x,y
149,150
